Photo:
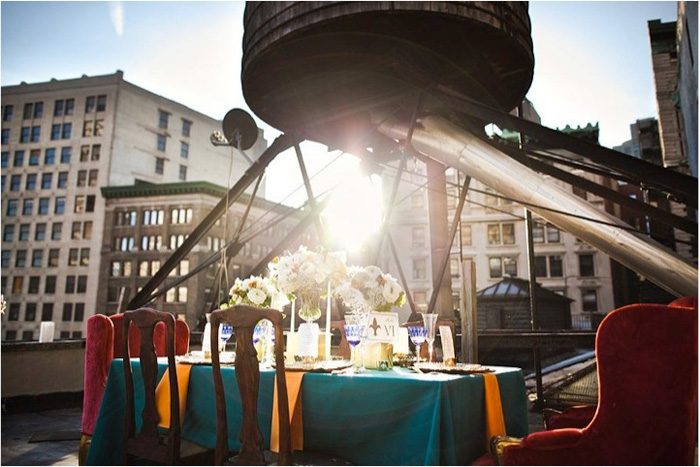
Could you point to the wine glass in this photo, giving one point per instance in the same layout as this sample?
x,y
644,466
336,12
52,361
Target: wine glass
x,y
429,320
353,334
418,334
225,333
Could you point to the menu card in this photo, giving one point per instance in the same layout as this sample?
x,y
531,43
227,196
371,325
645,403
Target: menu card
x,y
448,346
401,343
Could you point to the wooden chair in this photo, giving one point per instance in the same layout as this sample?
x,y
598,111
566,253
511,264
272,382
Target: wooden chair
x,y
243,319
344,346
149,444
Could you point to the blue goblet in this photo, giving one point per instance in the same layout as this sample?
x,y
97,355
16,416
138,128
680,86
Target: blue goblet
x,y
225,333
418,335
353,334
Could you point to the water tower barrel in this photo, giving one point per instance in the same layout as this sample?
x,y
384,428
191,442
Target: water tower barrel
x,y
305,63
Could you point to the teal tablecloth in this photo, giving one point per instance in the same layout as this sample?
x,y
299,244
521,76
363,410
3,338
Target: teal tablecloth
x,y
378,418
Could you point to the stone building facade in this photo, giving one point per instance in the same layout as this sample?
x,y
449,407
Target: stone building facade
x,y
61,142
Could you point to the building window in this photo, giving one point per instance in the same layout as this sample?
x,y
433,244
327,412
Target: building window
x,y
84,153
88,128
46,180
70,284
182,268
50,285
549,266
95,154
151,242
4,159
153,217
27,335
181,216
186,127
21,258
19,158
47,312
184,150
466,234
33,286
10,335
148,268
580,192
160,165
60,206
28,207
85,256
419,269
87,230
125,218
123,243
93,103
24,135
65,154
8,233
63,107
37,258
27,111
418,237
5,138
163,119
43,206
92,178
79,314
176,295
82,178
17,284
177,240
30,184
36,134
56,230
40,232
501,234
13,314
120,268
15,182
589,300
54,254
161,143
7,113
50,156
586,265
30,312
61,131
67,312
12,205
73,257
62,181
38,109
183,173
24,232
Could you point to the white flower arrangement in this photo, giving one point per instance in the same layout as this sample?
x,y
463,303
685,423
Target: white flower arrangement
x,y
256,291
369,289
306,271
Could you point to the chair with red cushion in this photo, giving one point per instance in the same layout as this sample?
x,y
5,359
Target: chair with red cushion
x,y
580,416
103,343
647,357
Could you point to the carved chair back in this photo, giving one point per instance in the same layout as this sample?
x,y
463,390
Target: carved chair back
x,y
243,319
147,444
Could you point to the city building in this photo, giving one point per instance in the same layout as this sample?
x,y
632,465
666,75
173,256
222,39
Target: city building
x,y
145,224
492,234
62,141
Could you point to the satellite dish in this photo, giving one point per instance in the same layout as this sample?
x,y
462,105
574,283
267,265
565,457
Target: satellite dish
x,y
240,129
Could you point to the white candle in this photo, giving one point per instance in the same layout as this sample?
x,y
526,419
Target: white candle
x,y
291,327
328,322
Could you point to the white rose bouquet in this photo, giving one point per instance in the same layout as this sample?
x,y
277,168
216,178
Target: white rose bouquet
x,y
306,273
369,289
256,291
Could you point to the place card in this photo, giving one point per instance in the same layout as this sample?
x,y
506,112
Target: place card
x,y
401,343
46,331
307,340
448,346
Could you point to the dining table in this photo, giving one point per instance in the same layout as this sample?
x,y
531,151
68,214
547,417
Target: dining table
x,y
391,417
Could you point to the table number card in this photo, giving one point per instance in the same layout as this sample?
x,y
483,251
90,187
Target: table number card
x,y
448,346
383,327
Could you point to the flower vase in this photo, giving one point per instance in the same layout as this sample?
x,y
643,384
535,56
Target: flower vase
x,y
309,310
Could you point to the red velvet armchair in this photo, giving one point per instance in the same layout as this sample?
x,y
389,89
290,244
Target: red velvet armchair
x,y
580,416
647,358
102,344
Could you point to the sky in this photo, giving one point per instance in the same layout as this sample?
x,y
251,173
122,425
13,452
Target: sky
x,y
592,59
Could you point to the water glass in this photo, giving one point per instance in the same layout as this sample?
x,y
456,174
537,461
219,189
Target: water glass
x,y
418,335
430,320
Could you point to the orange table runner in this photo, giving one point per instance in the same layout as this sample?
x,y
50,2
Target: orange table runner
x,y
294,380
163,393
495,425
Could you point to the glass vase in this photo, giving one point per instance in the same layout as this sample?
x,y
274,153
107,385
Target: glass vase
x,y
309,310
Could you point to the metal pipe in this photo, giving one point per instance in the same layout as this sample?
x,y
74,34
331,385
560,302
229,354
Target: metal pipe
x,y
445,141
